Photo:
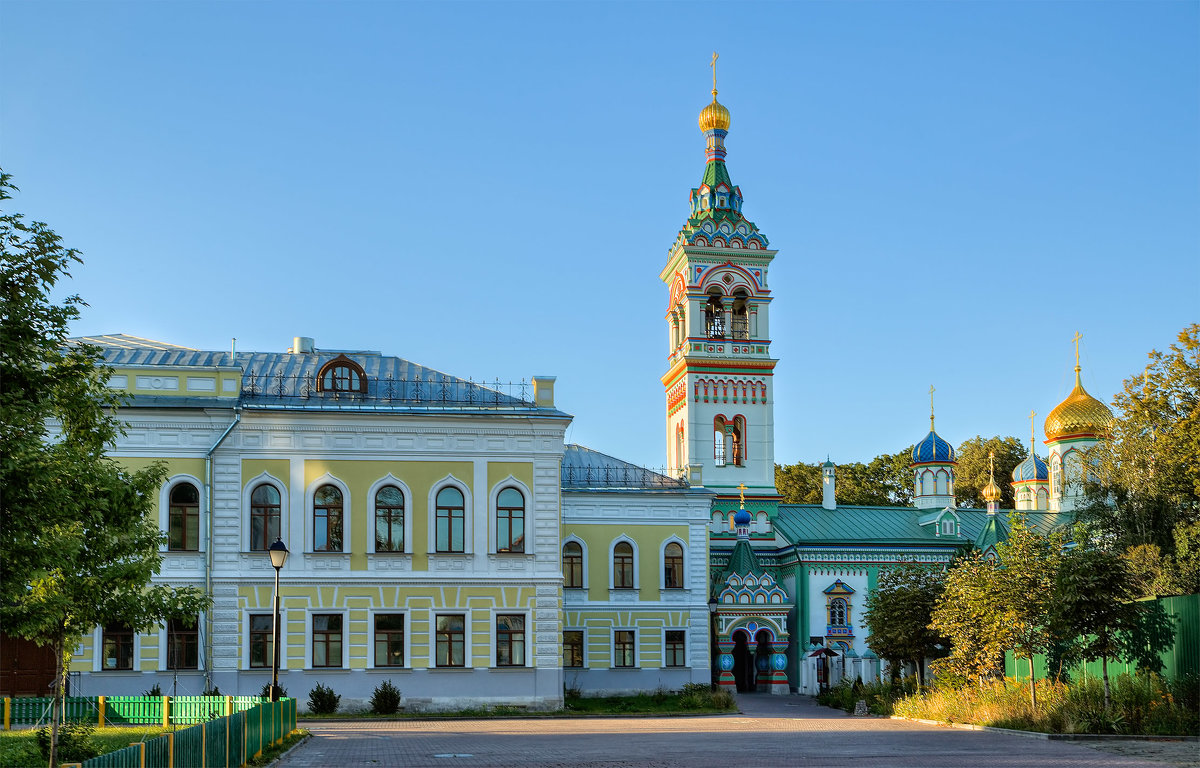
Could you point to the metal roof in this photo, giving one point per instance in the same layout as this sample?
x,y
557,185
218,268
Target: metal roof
x,y
584,468
812,524
288,380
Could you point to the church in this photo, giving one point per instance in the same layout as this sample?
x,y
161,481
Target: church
x,y
443,535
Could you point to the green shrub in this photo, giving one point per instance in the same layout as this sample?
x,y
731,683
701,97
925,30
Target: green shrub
x,y
75,743
385,699
266,691
702,696
214,691
322,700
155,691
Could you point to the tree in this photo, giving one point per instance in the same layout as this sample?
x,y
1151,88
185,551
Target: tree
x,y
1144,480
899,611
970,614
1029,562
1094,602
972,473
885,481
78,542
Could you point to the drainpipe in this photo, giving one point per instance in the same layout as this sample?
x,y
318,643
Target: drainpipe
x,y
208,553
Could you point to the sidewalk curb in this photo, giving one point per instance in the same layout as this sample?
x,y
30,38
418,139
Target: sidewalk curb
x,y
1050,736
290,750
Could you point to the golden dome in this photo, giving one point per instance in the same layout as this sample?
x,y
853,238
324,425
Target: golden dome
x,y
1079,414
715,115
991,491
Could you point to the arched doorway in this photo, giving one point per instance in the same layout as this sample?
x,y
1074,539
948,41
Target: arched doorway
x,y
743,662
763,650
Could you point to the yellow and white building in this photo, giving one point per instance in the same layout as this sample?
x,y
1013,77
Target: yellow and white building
x,y
425,517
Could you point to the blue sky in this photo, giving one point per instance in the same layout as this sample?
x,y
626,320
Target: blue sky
x,y
491,189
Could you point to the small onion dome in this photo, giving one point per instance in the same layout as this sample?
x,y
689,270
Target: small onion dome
x,y
1079,414
828,463
991,491
1033,468
933,449
741,517
715,115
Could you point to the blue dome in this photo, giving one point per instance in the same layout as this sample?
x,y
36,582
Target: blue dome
x,y
1033,468
933,449
741,517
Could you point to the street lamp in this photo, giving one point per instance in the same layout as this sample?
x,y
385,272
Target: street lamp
x,y
279,553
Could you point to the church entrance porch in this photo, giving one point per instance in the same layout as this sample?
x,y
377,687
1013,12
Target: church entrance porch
x,y
752,656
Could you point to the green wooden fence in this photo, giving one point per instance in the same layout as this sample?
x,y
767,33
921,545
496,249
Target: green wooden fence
x,y
226,742
126,710
1182,658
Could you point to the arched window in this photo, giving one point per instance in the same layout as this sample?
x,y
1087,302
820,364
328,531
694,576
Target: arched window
x,y
623,565
450,521
264,517
740,319
837,612
673,566
941,483
714,315
572,556
510,521
926,483
327,519
389,519
739,445
184,519
341,374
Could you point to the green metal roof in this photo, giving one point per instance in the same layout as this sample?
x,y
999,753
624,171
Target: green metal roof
x,y
993,532
813,524
742,561
715,173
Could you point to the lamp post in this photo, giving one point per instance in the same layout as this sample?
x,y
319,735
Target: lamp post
x,y
714,649
279,553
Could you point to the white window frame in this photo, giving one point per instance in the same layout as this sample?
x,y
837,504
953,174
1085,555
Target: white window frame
x,y
310,494
163,656
468,517
98,654
584,550
284,508
493,500
390,479
308,637
527,661
662,564
583,631
164,514
637,576
687,647
468,635
244,632
637,660
371,614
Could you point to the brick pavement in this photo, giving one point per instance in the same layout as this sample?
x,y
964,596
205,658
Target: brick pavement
x,y
770,731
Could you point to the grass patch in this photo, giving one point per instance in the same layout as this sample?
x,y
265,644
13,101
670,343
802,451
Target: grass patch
x,y
881,697
1141,705
270,753
19,749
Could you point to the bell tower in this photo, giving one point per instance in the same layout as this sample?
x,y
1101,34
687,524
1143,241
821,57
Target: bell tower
x,y
719,391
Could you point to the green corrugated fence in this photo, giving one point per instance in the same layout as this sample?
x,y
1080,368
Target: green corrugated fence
x,y
1182,658
226,742
126,710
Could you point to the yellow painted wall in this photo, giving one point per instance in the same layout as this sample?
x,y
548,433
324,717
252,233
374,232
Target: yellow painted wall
x,y
277,468
420,605
649,539
649,626
181,376
359,476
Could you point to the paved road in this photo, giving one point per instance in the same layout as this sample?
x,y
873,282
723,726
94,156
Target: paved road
x,y
770,731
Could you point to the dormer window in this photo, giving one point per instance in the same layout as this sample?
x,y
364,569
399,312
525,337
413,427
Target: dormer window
x,y
341,374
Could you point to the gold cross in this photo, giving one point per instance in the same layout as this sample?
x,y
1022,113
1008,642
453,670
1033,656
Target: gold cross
x,y
742,490
931,391
992,463
1076,339
1032,431
713,64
